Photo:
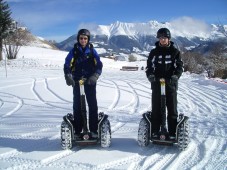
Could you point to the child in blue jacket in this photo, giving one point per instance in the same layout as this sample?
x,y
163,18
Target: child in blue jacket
x,y
83,62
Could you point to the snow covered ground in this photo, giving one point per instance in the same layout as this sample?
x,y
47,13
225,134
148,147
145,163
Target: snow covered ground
x,y
34,98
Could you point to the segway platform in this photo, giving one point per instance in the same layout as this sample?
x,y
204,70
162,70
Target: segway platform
x,y
182,133
68,138
145,135
85,139
161,140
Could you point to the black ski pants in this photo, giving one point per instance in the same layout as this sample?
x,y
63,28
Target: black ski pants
x,y
90,93
171,104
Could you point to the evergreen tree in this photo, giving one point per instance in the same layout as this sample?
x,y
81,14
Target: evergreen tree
x,y
5,23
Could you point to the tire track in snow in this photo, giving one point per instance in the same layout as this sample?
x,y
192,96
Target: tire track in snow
x,y
25,163
18,106
24,160
28,125
133,90
168,157
208,102
116,101
212,95
209,109
38,96
1,103
131,160
204,105
138,91
185,159
154,156
135,102
185,103
211,155
53,93
148,160
113,106
9,153
116,97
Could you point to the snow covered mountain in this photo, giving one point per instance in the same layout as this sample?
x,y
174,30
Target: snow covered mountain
x,y
138,37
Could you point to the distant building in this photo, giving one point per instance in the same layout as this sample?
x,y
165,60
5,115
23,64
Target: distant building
x,y
15,26
119,58
22,28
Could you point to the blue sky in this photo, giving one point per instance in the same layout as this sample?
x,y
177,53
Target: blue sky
x,y
59,19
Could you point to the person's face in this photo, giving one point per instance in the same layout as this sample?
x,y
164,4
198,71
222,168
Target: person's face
x,y
164,41
83,40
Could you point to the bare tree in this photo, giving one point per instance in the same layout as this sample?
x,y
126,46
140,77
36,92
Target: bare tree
x,y
15,40
218,48
193,62
132,58
218,64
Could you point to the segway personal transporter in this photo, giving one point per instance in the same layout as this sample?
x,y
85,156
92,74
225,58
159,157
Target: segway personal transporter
x,y
145,127
69,139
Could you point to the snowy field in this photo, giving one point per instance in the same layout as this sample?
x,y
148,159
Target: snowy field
x,y
34,98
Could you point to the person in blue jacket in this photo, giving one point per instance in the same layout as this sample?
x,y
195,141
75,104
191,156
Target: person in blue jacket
x,y
83,61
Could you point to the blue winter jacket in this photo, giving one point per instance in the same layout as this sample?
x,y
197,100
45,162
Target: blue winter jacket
x,y
86,64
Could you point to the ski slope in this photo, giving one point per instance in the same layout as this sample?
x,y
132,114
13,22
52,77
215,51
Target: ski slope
x,y
34,98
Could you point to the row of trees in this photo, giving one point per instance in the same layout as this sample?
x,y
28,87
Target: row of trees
x,y
214,62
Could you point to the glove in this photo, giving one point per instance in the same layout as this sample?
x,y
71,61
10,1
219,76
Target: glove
x,y
174,78
93,79
69,80
151,78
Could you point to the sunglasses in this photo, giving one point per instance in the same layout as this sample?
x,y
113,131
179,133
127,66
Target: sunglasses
x,y
83,38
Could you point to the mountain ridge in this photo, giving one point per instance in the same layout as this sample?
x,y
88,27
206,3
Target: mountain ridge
x,y
128,37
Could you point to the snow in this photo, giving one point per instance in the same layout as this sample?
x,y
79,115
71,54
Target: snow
x,y
34,98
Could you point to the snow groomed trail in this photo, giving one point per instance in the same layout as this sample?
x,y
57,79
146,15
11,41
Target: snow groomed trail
x,y
32,105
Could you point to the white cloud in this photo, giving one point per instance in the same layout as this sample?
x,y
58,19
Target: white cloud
x,y
185,25
93,27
